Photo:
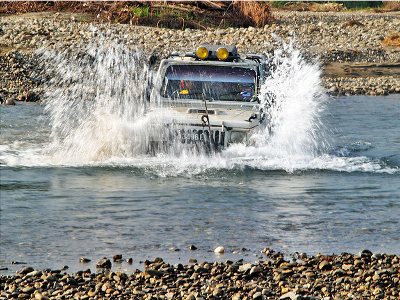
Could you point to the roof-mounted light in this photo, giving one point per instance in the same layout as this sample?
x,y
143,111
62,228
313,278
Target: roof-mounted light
x,y
202,52
222,53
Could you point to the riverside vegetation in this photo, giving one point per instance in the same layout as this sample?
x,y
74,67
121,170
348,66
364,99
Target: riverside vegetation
x,y
358,51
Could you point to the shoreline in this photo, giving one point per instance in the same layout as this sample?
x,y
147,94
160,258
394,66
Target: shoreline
x,y
352,57
346,276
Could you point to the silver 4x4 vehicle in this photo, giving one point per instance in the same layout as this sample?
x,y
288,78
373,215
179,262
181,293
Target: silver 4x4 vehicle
x,y
211,97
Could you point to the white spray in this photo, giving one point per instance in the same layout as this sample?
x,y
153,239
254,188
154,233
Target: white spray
x,y
97,99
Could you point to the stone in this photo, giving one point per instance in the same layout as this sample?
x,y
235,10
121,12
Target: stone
x,y
9,102
51,278
34,274
325,265
219,250
288,296
153,273
129,260
255,270
28,290
84,260
258,296
26,270
104,263
191,297
347,267
245,267
40,296
376,256
117,257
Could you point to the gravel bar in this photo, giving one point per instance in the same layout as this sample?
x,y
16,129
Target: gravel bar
x,y
336,38
325,277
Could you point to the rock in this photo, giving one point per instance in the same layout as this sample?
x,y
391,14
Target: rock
x,y
376,256
50,278
192,247
34,274
26,270
28,290
339,273
40,296
255,270
288,296
219,250
104,263
334,89
84,260
9,102
376,277
158,260
246,267
153,273
117,257
31,97
258,296
325,265
365,253
129,260
347,267
191,297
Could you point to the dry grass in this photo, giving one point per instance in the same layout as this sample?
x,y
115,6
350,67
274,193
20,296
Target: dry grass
x,y
391,6
258,13
392,40
170,14
352,23
323,7
310,6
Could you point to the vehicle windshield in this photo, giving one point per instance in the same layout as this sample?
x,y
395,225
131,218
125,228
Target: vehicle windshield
x,y
213,82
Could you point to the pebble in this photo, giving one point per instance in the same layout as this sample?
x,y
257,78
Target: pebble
x,y
219,250
376,278
84,260
104,263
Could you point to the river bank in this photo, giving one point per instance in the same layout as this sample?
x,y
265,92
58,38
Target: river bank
x,y
346,276
342,41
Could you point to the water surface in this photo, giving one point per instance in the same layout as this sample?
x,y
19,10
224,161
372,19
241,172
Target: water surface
x,y
75,181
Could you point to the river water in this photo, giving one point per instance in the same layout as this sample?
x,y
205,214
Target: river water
x,y
75,186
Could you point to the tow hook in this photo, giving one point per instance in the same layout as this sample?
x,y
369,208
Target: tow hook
x,y
253,117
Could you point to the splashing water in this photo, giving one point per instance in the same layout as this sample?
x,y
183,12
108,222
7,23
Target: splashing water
x,y
295,135
97,102
299,99
96,99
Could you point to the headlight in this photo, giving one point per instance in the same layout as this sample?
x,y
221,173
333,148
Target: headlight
x,y
238,136
222,53
202,52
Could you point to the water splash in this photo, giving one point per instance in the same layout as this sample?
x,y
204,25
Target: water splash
x,y
97,103
296,127
96,98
